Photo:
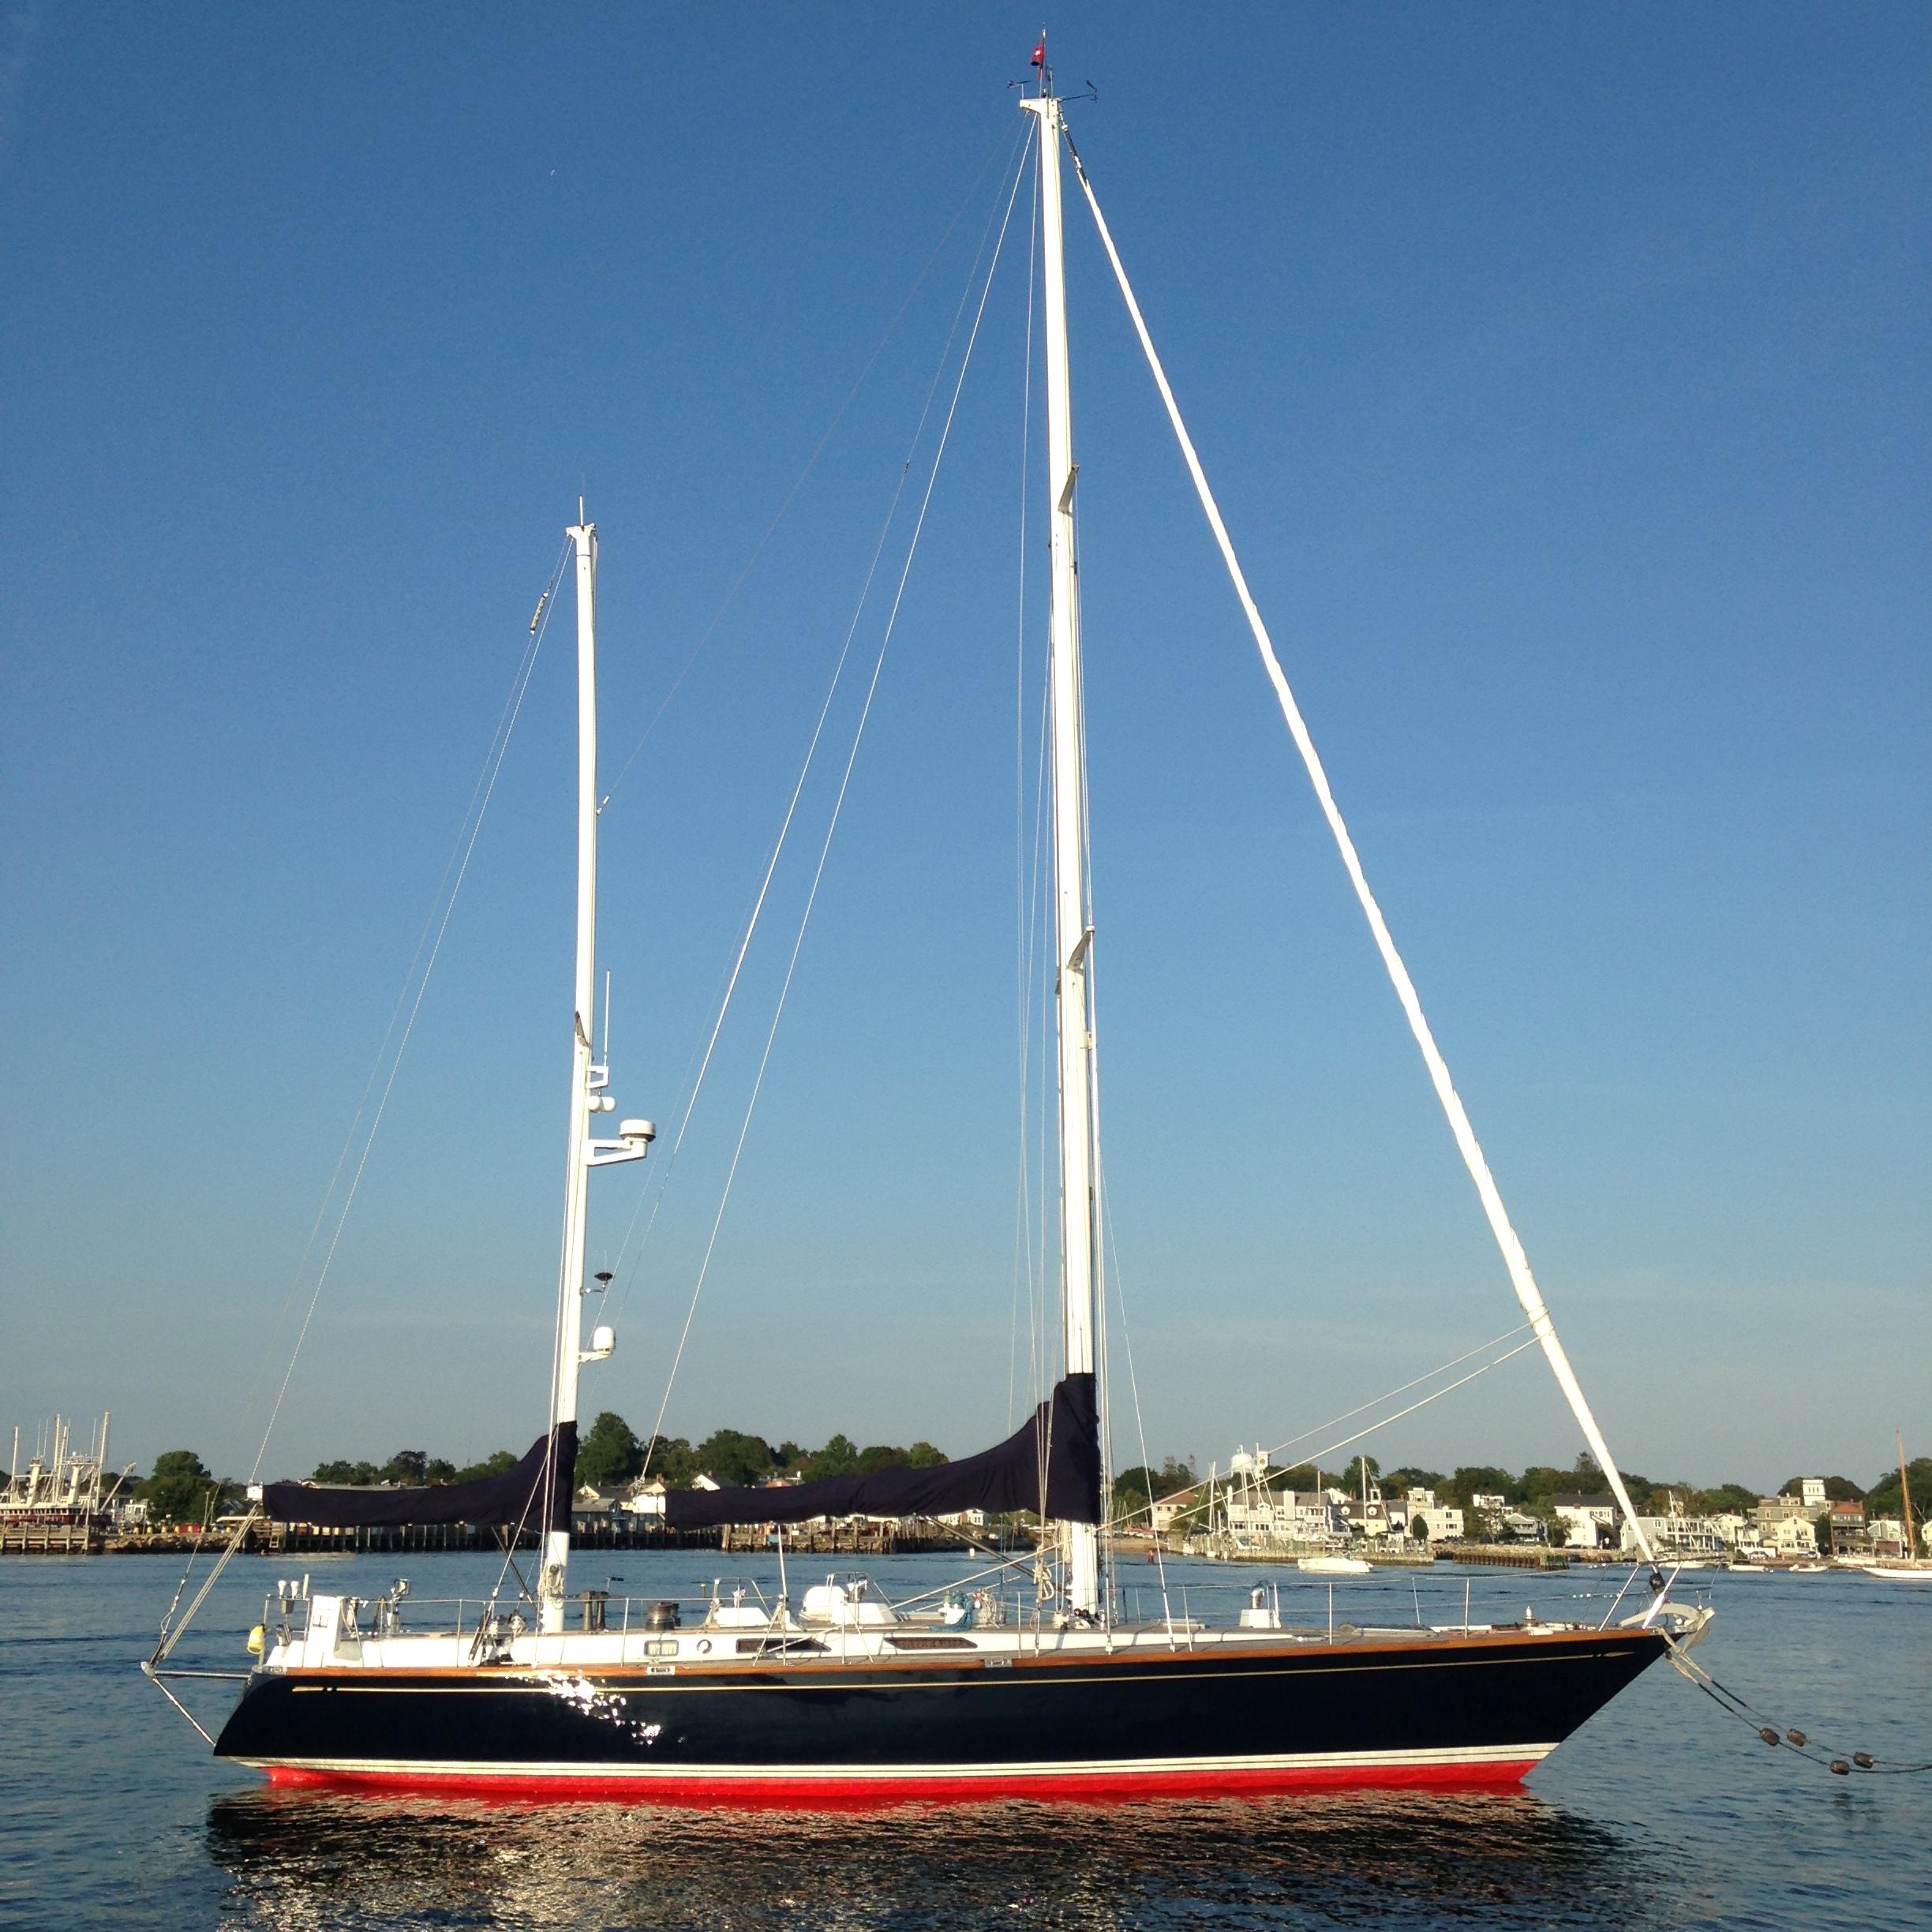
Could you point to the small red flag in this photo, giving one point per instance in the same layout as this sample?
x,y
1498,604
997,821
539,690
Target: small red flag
x,y
1040,54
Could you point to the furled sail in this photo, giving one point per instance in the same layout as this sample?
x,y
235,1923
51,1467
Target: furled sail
x,y
1053,1459
513,1499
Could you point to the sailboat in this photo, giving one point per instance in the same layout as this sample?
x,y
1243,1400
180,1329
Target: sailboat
x,y
841,1696
1911,1568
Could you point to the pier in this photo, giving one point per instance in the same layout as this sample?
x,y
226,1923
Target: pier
x,y
49,1539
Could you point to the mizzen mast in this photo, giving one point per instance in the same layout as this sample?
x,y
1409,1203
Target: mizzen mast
x,y
1080,1258
588,1099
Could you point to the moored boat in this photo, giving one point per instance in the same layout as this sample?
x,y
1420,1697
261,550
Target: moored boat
x,y
847,1695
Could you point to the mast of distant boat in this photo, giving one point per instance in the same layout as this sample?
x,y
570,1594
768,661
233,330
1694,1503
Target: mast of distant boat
x,y
588,1081
1911,1541
1080,1260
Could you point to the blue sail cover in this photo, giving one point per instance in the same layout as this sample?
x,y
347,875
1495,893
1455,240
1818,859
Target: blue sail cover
x,y
1051,1462
514,1500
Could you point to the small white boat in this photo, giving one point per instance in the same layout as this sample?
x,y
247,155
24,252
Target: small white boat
x,y
1746,1569
1808,1569
1334,1566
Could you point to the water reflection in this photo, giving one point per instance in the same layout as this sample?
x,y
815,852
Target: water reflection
x,y
296,1860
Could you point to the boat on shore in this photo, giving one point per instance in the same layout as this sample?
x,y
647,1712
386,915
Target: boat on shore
x,y
844,1695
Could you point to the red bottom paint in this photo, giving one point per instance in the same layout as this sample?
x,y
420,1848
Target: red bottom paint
x,y
833,1794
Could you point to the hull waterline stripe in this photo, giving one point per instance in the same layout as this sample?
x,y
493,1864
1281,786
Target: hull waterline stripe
x,y
1490,1764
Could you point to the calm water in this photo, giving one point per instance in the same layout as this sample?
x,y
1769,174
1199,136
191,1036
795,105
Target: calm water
x,y
1661,1814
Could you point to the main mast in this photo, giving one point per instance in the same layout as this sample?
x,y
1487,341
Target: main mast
x,y
587,1097
1079,1248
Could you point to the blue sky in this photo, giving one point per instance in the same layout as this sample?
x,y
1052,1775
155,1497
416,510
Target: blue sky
x,y
1562,378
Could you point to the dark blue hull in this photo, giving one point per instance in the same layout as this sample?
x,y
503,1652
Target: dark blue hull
x,y
1479,1709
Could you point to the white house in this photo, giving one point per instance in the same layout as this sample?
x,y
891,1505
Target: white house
x,y
1678,1535
1586,1520
1789,1536
1295,1516
1887,1535
1442,1522
1371,1516
1168,1509
1489,1511
1811,1494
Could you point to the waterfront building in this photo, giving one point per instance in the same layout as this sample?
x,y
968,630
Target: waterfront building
x,y
1843,1524
1887,1536
1811,1494
593,1508
1288,1515
1587,1522
1788,1536
1247,1506
1168,1509
1489,1510
1676,1534
1442,1521
1368,1514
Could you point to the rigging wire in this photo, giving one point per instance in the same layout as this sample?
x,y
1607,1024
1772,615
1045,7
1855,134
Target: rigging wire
x,y
1035,1272
1389,1395
467,836
1515,1260
1134,1387
758,904
1033,1158
377,1063
1349,1415
838,804
1383,1422
665,1169
687,1089
811,461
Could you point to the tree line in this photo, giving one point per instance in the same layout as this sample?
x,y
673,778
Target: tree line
x,y
611,1455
